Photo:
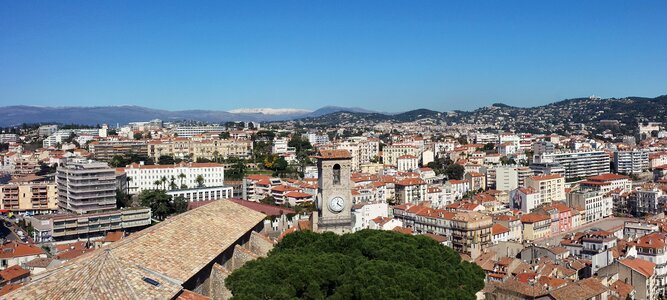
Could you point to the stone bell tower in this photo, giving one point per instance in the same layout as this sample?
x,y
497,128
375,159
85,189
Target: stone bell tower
x,y
334,197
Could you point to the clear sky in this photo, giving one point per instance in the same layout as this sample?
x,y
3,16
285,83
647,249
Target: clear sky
x,y
384,55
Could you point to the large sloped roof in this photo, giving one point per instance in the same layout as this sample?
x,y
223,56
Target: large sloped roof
x,y
169,253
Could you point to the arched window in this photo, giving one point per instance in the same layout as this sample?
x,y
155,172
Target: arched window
x,y
336,174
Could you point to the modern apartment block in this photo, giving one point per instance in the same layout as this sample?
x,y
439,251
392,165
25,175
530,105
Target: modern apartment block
x,y
190,131
86,186
33,198
106,150
578,164
72,226
630,162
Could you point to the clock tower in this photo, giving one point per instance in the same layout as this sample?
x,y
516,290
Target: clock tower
x,y
334,195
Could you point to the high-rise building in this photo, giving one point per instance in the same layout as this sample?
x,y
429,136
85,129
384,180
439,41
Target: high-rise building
x,y
630,162
578,164
86,186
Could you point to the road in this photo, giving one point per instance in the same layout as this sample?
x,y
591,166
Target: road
x,y
604,224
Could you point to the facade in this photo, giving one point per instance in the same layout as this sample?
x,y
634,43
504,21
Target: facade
x,y
209,148
578,164
391,153
410,190
334,196
597,205
203,193
471,233
14,253
190,131
630,162
525,199
550,187
94,225
535,226
143,177
32,198
86,186
106,150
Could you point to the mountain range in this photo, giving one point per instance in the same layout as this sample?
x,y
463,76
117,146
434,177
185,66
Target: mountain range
x,y
123,114
561,116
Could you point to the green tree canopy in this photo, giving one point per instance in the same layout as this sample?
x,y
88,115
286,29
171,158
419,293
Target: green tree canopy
x,y
455,171
161,204
368,264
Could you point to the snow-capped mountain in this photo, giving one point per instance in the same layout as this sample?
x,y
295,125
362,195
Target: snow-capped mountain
x,y
270,111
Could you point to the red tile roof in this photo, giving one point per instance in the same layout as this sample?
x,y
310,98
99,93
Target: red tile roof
x,y
266,209
16,249
644,267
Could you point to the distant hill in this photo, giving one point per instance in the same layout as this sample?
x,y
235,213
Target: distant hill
x,y
16,115
566,116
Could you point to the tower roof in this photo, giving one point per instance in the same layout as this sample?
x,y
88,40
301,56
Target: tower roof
x,y
334,154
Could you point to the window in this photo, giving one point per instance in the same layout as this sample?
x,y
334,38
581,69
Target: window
x,y
336,174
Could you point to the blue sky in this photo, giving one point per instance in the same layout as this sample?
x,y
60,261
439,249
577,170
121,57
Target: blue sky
x,y
383,55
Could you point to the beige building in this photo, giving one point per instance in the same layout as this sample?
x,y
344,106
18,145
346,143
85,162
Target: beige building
x,y
535,226
471,233
550,187
199,148
29,197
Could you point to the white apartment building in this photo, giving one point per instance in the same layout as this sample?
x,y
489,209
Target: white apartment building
x,y
550,187
630,162
596,204
190,131
578,164
525,199
541,147
280,146
61,135
144,177
362,150
364,213
86,186
203,193
316,139
511,177
406,163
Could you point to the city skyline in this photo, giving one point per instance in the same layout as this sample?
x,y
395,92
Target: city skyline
x,y
388,57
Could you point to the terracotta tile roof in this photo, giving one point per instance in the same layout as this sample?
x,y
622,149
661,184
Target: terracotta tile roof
x,y
13,273
39,262
334,154
16,249
644,267
533,218
297,194
113,236
402,230
410,181
267,209
10,287
607,177
583,289
170,252
652,240
499,229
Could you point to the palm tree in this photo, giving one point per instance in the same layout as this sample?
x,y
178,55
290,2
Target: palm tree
x,y
157,184
163,180
200,180
172,183
181,176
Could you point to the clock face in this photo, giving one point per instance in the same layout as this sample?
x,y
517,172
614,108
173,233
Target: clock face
x,y
336,204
